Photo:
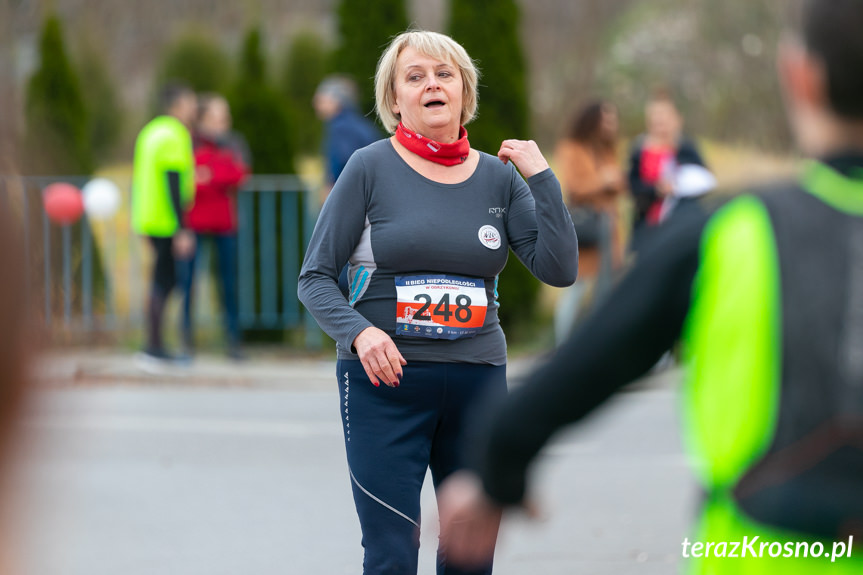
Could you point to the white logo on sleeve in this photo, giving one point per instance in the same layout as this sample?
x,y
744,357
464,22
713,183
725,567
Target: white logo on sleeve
x,y
490,237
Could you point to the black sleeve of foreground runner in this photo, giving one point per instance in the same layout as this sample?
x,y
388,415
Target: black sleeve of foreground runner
x,y
619,342
174,189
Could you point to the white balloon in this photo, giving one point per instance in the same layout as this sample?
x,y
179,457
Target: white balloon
x,y
693,180
101,198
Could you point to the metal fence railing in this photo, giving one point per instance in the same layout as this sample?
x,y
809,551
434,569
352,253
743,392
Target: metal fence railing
x,y
93,276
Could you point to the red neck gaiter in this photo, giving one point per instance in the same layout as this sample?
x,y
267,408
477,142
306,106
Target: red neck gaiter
x,y
446,154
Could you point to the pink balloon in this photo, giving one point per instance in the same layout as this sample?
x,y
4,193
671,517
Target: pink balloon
x,y
63,203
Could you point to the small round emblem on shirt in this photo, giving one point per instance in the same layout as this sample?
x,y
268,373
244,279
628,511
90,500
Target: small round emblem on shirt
x,y
489,237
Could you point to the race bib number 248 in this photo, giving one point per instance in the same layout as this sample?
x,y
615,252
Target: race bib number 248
x,y
440,306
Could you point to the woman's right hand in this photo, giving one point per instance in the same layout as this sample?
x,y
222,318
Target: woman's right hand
x,y
612,179
664,188
380,357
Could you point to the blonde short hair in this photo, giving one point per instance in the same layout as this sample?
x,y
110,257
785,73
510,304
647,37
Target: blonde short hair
x,y
434,45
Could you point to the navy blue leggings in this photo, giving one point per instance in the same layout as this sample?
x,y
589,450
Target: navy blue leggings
x,y
392,436
226,250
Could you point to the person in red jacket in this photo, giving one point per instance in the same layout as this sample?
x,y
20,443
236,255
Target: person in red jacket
x,y
219,170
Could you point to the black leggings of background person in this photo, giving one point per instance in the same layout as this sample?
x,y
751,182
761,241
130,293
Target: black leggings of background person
x,y
164,273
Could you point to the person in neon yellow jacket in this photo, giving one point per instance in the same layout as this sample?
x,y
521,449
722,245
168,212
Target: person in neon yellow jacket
x,y
766,294
163,186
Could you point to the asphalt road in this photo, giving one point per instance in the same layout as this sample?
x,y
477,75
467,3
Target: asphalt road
x,y
131,477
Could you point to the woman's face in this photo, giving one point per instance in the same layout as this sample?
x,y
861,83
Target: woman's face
x,y
663,120
610,122
428,94
216,120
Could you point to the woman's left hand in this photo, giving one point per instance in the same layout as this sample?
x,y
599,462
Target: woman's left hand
x,y
525,155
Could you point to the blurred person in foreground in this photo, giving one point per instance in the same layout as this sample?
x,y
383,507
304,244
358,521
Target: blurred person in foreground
x,y
426,223
593,183
767,295
163,186
15,350
653,162
219,171
347,131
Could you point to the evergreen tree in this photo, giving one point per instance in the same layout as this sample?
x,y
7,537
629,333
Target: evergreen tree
x,y
259,113
57,143
489,31
261,116
304,68
196,59
364,32
57,136
101,100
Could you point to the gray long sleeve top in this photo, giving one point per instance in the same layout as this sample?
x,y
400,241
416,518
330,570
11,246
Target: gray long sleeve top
x,y
393,225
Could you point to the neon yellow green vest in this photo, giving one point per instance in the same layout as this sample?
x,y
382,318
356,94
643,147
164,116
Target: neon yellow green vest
x,y
733,344
163,145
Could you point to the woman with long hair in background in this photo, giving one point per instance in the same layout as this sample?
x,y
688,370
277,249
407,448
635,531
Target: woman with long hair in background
x,y
593,183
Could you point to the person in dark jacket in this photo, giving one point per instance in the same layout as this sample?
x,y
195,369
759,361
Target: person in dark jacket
x,y
219,171
653,161
347,130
